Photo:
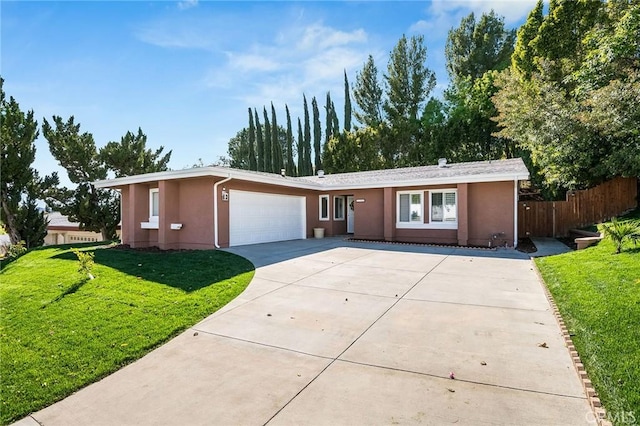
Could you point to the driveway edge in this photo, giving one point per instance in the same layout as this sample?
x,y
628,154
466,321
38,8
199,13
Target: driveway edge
x,y
599,412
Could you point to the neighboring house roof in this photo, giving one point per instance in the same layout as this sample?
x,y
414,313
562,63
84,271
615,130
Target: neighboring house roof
x,y
478,171
58,221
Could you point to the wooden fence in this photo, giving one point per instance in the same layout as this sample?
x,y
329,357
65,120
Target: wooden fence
x,y
581,208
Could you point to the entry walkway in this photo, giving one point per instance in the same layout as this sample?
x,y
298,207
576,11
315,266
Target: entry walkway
x,y
337,333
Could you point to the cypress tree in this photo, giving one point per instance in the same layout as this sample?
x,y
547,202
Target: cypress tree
x,y
317,134
291,168
252,140
259,143
347,105
300,150
268,163
308,167
328,130
276,156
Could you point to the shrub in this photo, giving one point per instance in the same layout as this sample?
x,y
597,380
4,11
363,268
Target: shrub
x,y
85,262
619,232
17,250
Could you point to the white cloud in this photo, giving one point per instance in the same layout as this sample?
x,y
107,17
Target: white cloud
x,y
317,36
512,10
246,62
176,37
299,59
187,4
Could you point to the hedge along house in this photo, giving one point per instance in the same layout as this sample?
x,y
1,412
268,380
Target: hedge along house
x,y
202,208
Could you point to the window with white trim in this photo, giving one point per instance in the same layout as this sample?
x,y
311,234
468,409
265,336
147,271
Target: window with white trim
x,y
324,207
154,204
444,208
410,207
338,208
440,210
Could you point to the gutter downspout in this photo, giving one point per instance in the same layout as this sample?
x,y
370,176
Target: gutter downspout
x,y
215,210
515,213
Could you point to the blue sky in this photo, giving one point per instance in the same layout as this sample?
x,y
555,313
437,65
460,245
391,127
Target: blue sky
x,y
186,71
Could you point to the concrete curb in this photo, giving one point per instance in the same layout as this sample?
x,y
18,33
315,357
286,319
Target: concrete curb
x,y
599,412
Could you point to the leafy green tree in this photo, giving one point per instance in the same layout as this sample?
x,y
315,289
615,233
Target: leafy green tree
x,y
354,151
96,210
238,150
474,48
253,164
259,143
367,93
347,104
522,59
578,111
268,161
130,156
317,135
408,82
291,167
18,179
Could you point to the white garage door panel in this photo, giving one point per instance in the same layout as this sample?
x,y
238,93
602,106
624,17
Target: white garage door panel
x,y
256,217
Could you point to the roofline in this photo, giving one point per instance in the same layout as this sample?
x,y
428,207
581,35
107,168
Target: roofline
x,y
275,179
502,177
222,172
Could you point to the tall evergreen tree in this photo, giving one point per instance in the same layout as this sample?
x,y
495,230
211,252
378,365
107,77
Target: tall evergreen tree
x,y
253,165
18,179
301,168
347,104
328,130
408,82
32,223
259,143
290,166
308,166
368,95
317,135
278,162
96,210
268,161
130,156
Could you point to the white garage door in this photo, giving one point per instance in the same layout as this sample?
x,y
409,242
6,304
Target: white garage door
x,y
256,217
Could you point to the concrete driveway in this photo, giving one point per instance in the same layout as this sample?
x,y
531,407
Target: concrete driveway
x,y
331,332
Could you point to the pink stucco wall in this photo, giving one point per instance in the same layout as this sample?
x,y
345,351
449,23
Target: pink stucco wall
x,y
484,209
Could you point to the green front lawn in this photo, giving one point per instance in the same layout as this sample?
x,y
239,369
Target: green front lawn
x,y
598,294
60,332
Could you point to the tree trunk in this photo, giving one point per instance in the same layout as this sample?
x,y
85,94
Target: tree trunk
x,y
12,229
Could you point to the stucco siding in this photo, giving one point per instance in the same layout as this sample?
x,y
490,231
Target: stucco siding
x,y
490,211
369,214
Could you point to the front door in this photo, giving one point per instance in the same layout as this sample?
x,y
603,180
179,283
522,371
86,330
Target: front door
x,y
350,214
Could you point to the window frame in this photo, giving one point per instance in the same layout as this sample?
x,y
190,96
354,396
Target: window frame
x,y
320,216
425,208
152,218
342,210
